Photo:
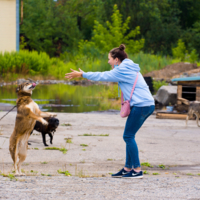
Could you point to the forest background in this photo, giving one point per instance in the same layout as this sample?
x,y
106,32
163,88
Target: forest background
x,y
58,35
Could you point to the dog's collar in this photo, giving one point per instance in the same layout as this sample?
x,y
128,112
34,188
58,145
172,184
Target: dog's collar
x,y
22,94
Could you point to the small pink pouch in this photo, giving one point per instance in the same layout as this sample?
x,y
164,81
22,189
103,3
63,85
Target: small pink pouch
x,y
125,105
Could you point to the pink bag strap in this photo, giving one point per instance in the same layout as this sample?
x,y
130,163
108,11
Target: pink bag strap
x,y
131,90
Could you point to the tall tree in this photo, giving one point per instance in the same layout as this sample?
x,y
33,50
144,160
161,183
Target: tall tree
x,y
54,27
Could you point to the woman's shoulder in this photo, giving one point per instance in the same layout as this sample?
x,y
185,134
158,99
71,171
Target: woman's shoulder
x,y
128,64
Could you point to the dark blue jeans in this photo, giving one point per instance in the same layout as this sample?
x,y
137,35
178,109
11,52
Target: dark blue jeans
x,y
135,120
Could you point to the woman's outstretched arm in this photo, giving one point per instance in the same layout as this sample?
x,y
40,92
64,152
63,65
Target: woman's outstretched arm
x,y
74,74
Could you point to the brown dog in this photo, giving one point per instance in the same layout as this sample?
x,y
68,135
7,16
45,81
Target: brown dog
x,y
27,114
194,110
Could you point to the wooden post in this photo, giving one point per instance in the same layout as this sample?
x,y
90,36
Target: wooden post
x,y
198,93
179,93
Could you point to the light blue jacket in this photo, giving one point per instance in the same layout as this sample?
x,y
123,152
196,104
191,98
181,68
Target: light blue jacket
x,y
125,74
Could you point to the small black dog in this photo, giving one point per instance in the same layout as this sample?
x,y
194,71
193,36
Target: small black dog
x,y
53,123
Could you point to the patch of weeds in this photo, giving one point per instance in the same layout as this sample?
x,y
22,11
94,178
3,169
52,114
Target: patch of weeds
x,y
68,140
161,166
83,145
44,162
90,134
174,173
52,148
36,148
64,150
12,177
190,174
156,173
146,164
103,135
145,172
81,174
32,171
70,164
83,149
198,174
22,170
66,173
66,124
110,173
45,174
109,159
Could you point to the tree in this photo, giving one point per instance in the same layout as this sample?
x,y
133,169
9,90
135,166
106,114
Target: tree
x,y
55,27
113,34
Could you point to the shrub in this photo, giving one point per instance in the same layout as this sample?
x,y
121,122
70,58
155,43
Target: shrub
x,y
158,84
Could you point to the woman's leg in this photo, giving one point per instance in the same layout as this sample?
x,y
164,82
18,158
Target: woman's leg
x,y
135,120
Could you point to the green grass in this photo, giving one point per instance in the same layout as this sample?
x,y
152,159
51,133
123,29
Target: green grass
x,y
83,145
83,149
66,124
14,65
161,166
36,148
44,162
90,134
190,174
145,172
35,172
155,173
68,140
45,174
64,150
66,173
146,164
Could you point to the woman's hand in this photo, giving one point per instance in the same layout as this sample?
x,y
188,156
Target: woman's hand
x,y
74,74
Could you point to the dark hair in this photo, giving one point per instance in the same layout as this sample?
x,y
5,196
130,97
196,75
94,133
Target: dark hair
x,y
119,52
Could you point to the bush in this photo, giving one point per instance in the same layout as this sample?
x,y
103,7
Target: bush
x,y
24,62
158,84
181,53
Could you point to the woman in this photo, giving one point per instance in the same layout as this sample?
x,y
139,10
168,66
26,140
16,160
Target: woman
x,y
124,71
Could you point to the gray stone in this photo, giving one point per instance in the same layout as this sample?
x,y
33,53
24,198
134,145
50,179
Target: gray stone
x,y
166,95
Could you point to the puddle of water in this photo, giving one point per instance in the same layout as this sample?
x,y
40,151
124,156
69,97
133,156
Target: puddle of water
x,y
60,97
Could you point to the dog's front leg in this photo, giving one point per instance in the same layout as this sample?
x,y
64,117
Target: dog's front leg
x,y
44,139
36,117
46,114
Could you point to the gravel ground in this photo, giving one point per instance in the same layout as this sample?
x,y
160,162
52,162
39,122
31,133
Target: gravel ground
x,y
62,187
161,142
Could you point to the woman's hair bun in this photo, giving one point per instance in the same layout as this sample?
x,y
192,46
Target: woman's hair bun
x,y
122,47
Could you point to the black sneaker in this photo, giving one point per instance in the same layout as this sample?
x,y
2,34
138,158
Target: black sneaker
x,y
119,174
133,174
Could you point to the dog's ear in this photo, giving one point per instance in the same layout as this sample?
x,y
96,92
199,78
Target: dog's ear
x,y
31,80
17,89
